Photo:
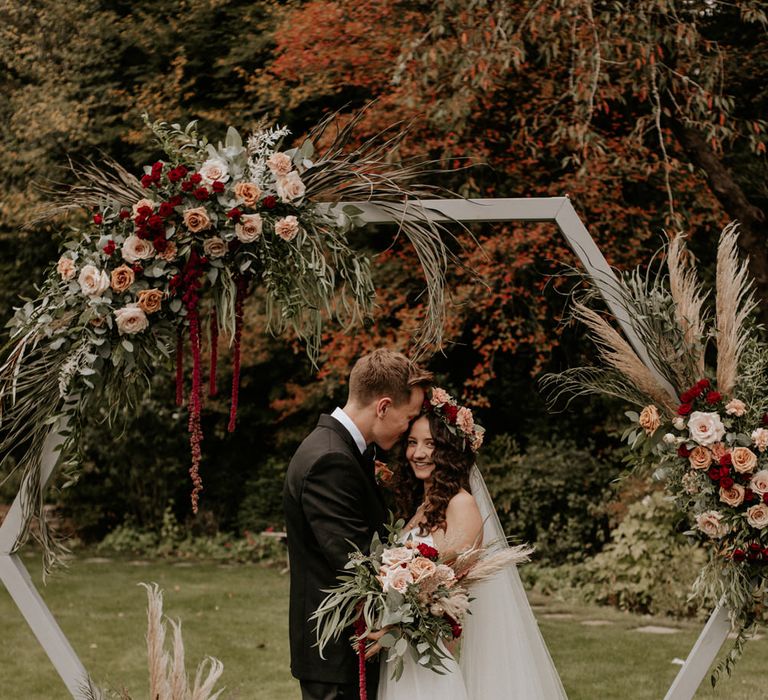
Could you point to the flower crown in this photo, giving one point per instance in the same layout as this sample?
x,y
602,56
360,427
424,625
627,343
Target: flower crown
x,y
458,419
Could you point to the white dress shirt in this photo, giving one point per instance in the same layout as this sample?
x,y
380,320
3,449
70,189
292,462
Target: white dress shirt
x,y
352,429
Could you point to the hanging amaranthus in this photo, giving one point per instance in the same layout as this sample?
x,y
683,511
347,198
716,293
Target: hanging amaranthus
x,y
242,288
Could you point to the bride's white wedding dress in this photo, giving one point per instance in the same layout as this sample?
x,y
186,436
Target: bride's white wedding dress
x,y
503,655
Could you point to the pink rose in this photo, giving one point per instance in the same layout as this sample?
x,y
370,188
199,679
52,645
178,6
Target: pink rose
x,y
422,567
135,249
743,459
397,579
280,164
214,169
66,268
733,496
757,516
249,228
711,524
396,556
439,397
464,420
759,482
93,282
130,319
760,438
287,228
736,407
290,187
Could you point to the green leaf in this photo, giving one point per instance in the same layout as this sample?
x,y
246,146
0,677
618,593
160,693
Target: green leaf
x,y
127,344
233,139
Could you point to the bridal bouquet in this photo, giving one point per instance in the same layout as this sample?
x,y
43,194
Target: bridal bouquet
x,y
702,431
418,595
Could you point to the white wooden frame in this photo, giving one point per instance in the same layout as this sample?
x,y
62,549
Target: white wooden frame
x,y
558,210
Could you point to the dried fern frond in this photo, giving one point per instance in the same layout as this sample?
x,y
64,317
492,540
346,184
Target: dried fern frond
x,y
734,303
586,381
491,564
618,354
689,300
156,657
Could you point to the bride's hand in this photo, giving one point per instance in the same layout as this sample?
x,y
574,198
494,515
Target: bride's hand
x,y
373,649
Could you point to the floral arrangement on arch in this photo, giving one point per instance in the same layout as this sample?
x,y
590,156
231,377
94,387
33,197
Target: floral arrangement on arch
x,y
167,261
702,431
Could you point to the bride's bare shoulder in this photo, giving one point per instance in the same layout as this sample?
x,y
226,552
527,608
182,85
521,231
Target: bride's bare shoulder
x,y
463,508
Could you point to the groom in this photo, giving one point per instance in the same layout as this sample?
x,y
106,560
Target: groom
x,y
330,498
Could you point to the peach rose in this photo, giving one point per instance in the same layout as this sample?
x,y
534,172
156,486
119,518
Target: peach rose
x,y
249,228
66,268
214,169
760,438
439,397
197,219
705,428
700,458
150,300
170,252
757,516
477,439
249,192
122,278
130,319
759,482
421,567
143,203
215,247
744,460
93,282
711,524
287,228
733,496
464,420
397,579
650,419
396,556
718,450
280,164
290,187
735,407
135,249
445,574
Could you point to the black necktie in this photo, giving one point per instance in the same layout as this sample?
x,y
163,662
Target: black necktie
x,y
369,456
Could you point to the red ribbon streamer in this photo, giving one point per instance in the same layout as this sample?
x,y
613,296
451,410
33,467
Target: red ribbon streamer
x,y
242,286
214,353
180,366
359,631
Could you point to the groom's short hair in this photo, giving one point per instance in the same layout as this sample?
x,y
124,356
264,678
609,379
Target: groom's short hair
x,y
385,373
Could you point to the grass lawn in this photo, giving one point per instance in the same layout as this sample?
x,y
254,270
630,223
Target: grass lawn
x,y
239,614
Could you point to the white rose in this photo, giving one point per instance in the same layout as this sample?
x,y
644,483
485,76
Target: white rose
x,y
670,439
757,516
214,169
290,187
396,556
711,524
759,482
93,282
130,319
705,428
66,268
135,249
679,422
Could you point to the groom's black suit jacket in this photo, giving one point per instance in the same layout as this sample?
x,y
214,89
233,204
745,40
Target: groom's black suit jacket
x,y
330,497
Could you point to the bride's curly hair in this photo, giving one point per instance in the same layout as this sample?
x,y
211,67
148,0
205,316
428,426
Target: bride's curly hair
x,y
453,462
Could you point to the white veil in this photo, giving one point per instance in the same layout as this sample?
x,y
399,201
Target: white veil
x,y
503,655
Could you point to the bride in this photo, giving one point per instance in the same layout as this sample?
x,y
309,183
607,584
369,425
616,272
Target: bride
x,y
502,653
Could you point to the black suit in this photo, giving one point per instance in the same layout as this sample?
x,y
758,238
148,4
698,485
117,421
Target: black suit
x,y
330,497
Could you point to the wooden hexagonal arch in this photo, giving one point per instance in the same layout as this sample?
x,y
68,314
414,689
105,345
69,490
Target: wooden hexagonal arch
x,y
557,210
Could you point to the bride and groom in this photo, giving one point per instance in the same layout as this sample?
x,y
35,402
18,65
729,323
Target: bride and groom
x,y
332,502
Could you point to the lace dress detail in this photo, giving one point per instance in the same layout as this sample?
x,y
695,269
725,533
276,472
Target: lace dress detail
x,y
417,682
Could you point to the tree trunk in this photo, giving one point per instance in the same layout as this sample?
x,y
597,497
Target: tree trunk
x,y
752,220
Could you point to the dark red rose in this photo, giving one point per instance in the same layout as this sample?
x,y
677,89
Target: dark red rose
x,y
450,412
196,178
142,232
173,175
764,419
738,555
726,482
157,167
269,202
166,210
684,409
724,471
765,498
703,384
689,396
234,244
160,244
156,223
182,170
755,547
726,460
187,186
145,210
201,194
176,200
98,219
146,181
217,186
683,451
428,552
124,214
234,214
137,268
749,494
713,397
714,473
109,249
203,259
